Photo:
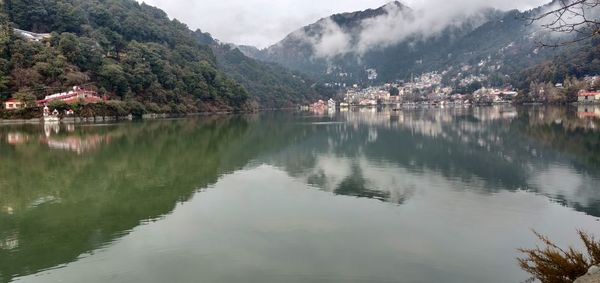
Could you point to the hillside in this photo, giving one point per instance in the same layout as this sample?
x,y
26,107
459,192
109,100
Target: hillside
x,y
495,46
270,84
577,61
131,52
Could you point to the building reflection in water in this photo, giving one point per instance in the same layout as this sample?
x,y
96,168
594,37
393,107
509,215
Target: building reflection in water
x,y
60,137
75,143
15,138
588,111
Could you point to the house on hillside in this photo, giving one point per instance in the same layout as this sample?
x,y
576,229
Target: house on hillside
x,y
78,94
13,104
588,97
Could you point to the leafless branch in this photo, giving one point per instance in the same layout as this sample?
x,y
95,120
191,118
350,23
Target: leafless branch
x,y
579,18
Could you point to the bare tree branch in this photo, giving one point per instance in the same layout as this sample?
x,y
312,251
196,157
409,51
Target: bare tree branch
x,y
579,18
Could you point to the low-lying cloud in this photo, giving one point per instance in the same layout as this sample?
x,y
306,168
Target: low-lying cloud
x,y
424,19
265,22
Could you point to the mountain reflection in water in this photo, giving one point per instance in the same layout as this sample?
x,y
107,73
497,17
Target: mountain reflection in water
x,y
69,190
549,151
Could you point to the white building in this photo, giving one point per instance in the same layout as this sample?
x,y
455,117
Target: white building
x,y
32,35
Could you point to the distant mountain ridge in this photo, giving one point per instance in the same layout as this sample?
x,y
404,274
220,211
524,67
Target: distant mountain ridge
x,y
495,45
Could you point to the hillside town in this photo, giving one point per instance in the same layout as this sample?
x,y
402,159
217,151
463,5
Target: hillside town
x,y
428,89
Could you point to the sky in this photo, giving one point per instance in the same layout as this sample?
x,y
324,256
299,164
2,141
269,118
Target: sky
x,y
262,23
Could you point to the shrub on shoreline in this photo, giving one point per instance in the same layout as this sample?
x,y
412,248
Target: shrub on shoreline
x,y
552,264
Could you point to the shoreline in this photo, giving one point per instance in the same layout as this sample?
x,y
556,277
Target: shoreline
x,y
157,116
148,116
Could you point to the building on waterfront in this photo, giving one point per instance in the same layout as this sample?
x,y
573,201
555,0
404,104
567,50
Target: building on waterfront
x,y
331,104
588,97
13,104
319,105
78,94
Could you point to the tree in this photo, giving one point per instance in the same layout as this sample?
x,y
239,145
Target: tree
x,y
7,36
394,91
70,47
27,97
578,17
4,80
67,18
596,84
113,78
116,42
472,87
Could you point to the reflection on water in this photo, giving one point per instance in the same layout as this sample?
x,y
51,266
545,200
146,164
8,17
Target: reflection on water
x,y
70,140
257,193
549,151
588,111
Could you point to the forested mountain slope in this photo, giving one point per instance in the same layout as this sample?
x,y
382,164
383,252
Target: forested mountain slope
x,y
269,83
128,51
495,46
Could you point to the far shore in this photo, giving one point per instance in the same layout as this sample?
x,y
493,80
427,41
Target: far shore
x,y
156,116
148,116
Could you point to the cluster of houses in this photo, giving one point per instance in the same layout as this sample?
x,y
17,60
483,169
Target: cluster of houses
x,y
77,94
495,95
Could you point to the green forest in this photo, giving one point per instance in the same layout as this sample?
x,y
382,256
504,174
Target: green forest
x,y
133,53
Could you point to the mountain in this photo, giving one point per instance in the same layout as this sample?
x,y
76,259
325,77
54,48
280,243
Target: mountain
x,y
272,85
134,53
395,42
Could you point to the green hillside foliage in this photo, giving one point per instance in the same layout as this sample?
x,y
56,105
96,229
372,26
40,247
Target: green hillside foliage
x,y
273,85
131,52
576,61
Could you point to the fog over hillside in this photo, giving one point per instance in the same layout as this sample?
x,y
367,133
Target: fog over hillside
x,y
262,23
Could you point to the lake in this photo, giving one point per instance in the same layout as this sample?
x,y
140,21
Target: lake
x,y
418,195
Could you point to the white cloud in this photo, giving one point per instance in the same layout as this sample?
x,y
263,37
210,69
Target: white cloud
x,y
264,22
423,19
334,40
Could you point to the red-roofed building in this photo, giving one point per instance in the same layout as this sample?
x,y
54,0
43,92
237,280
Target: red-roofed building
x,y
78,94
589,96
13,104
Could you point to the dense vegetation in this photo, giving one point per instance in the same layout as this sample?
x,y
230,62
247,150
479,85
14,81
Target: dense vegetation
x,y
270,84
134,53
273,85
576,61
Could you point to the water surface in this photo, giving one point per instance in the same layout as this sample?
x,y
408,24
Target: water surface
x,y
421,195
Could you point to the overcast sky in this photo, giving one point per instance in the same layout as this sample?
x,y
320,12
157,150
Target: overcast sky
x,y
264,22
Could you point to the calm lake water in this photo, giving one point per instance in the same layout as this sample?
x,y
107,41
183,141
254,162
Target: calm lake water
x,y
423,195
